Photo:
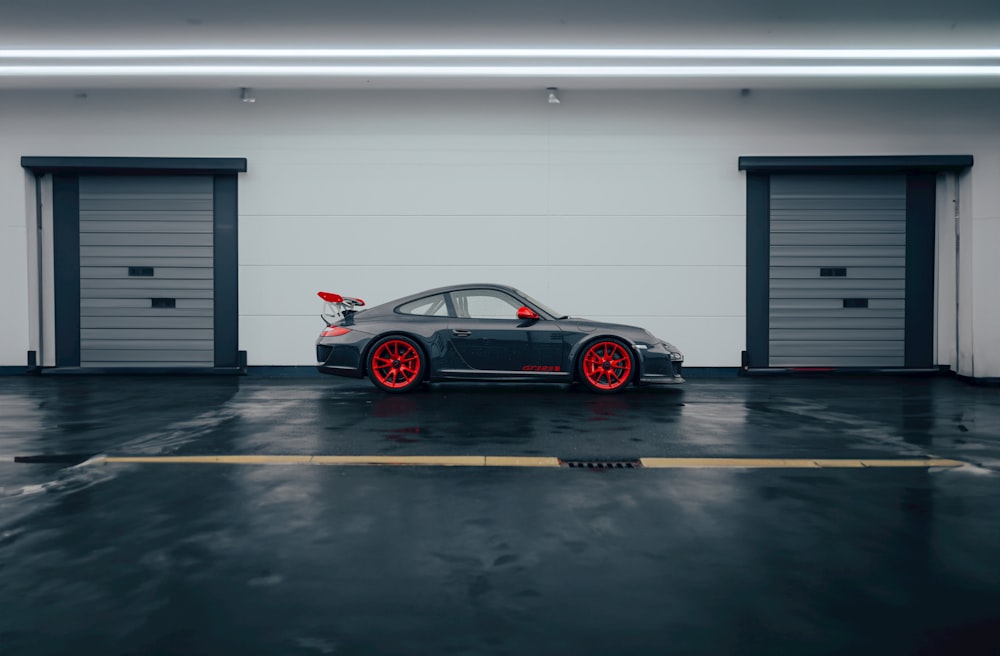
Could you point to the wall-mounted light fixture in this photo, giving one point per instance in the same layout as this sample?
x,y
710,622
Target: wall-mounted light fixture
x,y
553,95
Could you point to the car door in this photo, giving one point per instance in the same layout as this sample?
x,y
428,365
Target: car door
x,y
429,317
488,336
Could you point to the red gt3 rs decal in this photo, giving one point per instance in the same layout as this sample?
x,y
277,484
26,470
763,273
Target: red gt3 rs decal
x,y
541,367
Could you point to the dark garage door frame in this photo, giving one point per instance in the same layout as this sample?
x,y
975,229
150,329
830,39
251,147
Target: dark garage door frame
x,y
921,187
66,172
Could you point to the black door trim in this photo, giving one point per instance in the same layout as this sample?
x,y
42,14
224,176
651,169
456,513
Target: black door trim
x,y
66,172
226,266
758,268
66,278
135,165
856,164
921,201
921,185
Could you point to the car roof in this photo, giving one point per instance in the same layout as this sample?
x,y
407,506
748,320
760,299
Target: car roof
x,y
389,306
453,288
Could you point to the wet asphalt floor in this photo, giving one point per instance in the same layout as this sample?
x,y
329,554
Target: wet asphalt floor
x,y
157,558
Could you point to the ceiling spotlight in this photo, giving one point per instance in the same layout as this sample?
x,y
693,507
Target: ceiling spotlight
x,y
246,95
553,95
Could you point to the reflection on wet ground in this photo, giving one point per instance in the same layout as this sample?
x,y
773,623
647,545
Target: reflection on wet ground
x,y
208,559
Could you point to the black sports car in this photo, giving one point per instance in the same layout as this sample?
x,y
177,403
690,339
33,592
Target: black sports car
x,y
485,332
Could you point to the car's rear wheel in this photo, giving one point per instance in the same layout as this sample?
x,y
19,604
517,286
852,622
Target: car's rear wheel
x,y
607,365
396,364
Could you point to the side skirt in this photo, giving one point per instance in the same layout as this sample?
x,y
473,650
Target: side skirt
x,y
504,376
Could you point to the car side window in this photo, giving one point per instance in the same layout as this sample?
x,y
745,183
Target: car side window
x,y
430,306
485,304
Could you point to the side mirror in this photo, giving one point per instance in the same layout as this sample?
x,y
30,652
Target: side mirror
x,y
527,314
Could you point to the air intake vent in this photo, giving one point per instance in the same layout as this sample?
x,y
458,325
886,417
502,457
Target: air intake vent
x,y
601,464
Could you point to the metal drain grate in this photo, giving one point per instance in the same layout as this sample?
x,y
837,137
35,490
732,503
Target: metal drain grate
x,y
601,464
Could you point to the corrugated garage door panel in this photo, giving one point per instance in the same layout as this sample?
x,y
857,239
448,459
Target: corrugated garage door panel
x,y
837,271
146,277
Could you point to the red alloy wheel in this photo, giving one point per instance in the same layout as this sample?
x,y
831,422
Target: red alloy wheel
x,y
396,365
606,366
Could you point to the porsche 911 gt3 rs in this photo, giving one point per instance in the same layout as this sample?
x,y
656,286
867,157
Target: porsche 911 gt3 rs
x,y
485,332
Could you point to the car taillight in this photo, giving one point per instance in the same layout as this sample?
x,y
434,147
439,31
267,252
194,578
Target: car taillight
x,y
334,331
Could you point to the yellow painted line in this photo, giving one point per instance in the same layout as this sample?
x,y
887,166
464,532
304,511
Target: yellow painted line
x,y
226,460
536,461
436,461
792,463
521,461
716,463
930,462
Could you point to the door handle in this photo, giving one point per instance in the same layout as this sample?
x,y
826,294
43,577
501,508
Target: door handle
x,y
461,333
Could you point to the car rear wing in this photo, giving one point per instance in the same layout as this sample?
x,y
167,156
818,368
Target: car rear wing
x,y
336,307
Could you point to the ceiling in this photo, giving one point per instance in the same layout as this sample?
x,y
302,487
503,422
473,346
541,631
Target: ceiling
x,y
511,26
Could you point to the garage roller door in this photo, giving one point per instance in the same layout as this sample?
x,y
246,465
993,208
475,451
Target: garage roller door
x,y
146,271
837,271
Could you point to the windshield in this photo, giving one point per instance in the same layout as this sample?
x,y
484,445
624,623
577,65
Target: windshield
x,y
541,306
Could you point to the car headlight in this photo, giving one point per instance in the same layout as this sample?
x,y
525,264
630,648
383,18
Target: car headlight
x,y
675,353
660,345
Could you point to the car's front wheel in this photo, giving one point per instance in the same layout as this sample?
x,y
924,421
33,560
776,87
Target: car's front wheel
x,y
396,364
607,365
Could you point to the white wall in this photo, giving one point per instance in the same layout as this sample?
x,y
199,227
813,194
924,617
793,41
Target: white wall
x,y
624,205
14,282
983,240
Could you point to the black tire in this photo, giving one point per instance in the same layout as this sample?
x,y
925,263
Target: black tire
x,y
606,366
396,364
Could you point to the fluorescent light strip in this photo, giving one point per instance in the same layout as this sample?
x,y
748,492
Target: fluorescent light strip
x,y
508,53
195,70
